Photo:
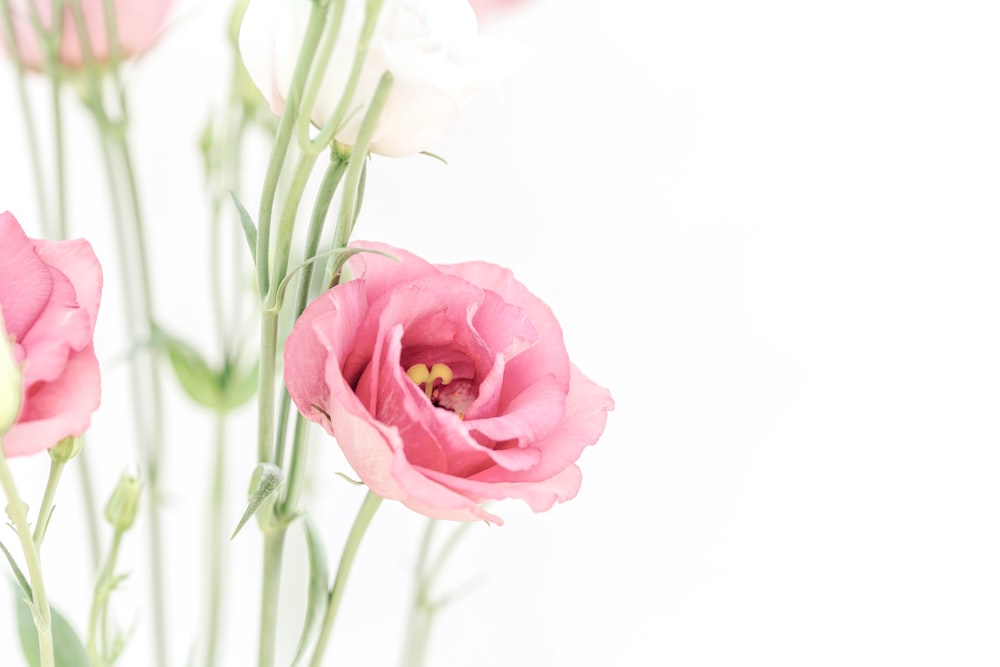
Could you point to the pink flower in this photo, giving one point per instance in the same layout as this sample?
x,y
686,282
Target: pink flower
x,y
49,296
138,24
445,386
483,7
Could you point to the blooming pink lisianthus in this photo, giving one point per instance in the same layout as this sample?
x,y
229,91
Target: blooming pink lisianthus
x,y
445,385
49,296
138,24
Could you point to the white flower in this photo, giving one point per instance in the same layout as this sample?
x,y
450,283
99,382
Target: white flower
x,y
431,47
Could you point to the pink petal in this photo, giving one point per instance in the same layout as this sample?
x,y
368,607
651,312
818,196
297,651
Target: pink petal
x,y
587,406
25,280
57,409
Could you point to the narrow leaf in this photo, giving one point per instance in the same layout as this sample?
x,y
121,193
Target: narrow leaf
x,y
21,580
319,584
249,228
69,650
267,478
435,156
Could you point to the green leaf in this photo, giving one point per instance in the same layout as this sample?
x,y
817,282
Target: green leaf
x,y
267,478
196,377
22,582
249,228
69,650
238,388
319,585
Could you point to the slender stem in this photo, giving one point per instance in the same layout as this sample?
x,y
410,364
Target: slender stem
x,y
328,186
150,381
265,383
315,80
423,608
62,217
45,509
274,544
361,522
215,584
97,625
282,140
286,225
90,507
29,118
327,134
418,625
147,390
16,512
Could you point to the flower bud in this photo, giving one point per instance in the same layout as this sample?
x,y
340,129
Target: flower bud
x,y
10,382
123,505
67,448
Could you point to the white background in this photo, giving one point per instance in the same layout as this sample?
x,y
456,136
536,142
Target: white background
x,y
770,228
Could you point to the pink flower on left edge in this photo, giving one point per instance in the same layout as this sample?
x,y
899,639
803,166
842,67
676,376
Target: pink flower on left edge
x,y
49,296
138,24
445,385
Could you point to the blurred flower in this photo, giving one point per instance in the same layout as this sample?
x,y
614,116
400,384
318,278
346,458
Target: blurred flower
x,y
49,296
445,386
483,7
432,49
138,23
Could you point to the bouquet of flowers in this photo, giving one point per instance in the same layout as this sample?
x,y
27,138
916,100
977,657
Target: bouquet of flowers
x,y
447,386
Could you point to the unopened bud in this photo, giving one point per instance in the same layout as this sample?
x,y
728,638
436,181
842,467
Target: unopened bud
x,y
123,505
11,380
67,448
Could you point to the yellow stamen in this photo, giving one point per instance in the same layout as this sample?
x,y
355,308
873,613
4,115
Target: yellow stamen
x,y
421,376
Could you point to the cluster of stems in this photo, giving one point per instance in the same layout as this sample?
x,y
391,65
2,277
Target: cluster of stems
x,y
296,150
104,97
282,442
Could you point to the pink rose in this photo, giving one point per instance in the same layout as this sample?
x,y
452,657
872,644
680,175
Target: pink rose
x,y
138,24
49,296
445,386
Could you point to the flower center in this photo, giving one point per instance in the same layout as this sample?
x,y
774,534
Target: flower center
x,y
425,377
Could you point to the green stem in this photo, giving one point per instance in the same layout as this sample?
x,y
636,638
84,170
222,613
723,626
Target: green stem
x,y
62,218
296,471
269,439
333,125
146,394
315,80
356,170
97,647
216,543
90,507
274,544
45,509
423,609
361,522
282,140
265,383
29,119
147,382
16,512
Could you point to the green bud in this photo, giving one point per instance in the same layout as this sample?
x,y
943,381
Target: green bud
x,y
11,380
123,505
67,448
